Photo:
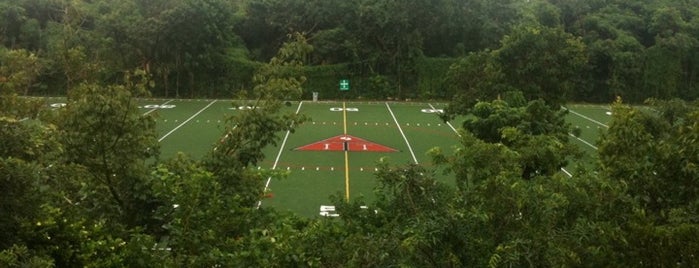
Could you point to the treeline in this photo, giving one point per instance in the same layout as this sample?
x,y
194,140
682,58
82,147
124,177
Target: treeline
x,y
395,49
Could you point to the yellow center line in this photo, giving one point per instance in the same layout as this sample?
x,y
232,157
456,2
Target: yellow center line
x,y
344,120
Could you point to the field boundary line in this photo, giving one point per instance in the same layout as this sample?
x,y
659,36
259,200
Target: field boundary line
x,y
583,116
448,123
152,110
279,154
344,124
566,172
410,148
583,141
186,121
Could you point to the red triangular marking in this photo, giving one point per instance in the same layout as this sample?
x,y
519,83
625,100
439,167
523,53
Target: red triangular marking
x,y
346,142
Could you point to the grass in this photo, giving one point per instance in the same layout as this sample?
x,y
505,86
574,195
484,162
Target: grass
x,y
194,127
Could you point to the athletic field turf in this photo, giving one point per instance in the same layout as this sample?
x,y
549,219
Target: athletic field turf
x,y
335,152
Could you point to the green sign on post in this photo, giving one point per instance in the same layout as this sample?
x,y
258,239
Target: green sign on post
x,y
344,85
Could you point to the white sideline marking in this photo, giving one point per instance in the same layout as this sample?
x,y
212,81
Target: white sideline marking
x,y
566,172
151,110
449,124
583,141
279,154
185,121
583,116
401,133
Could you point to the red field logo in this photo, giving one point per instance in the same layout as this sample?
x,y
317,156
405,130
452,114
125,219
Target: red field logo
x,y
346,143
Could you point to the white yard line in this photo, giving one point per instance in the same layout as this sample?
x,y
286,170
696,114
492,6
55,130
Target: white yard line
x,y
401,133
583,116
152,110
583,141
566,172
185,122
448,124
279,154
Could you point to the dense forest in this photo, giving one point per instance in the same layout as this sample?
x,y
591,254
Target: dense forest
x,y
85,185
395,49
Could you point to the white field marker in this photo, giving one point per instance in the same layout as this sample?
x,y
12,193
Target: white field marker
x,y
448,124
152,110
185,122
566,172
410,148
583,141
583,116
281,149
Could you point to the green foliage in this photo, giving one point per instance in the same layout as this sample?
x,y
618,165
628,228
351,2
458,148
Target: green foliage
x,y
542,62
19,256
432,73
103,130
213,48
324,79
535,136
654,151
83,186
241,147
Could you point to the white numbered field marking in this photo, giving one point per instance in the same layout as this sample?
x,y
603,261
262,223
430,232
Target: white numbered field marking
x,y
156,106
349,109
58,105
328,211
243,108
432,111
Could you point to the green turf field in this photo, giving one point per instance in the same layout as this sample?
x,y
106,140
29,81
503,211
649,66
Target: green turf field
x,y
193,126
592,121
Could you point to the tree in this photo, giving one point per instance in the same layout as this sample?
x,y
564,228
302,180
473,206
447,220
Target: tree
x,y
654,153
103,130
474,78
537,132
542,62
20,70
251,130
